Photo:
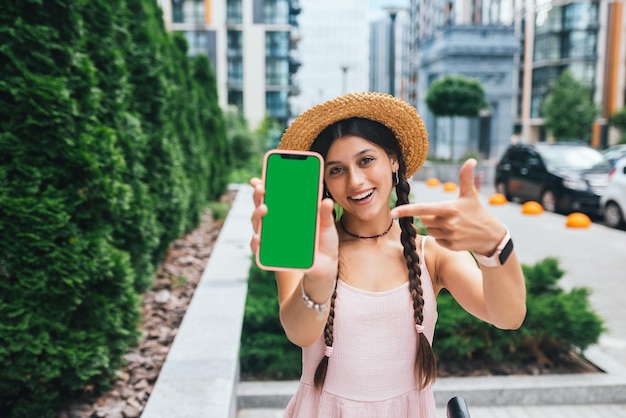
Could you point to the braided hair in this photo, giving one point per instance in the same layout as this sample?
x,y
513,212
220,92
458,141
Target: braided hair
x,y
425,362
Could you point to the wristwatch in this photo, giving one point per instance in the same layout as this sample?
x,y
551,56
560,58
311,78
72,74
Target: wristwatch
x,y
499,257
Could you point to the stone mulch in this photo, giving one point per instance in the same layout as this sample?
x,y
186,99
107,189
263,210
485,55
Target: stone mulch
x,y
163,308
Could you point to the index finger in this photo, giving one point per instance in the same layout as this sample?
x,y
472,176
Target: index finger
x,y
259,190
421,209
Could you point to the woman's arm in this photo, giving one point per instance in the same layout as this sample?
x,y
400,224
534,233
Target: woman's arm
x,y
494,294
302,324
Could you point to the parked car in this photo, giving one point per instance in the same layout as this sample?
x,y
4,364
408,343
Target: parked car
x,y
613,201
614,153
563,177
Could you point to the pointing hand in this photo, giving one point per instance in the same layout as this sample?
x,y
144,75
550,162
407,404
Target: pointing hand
x,y
460,224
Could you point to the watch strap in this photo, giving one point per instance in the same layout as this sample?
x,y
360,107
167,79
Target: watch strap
x,y
499,257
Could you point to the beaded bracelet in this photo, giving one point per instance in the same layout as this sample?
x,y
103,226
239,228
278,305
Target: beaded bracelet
x,y
320,308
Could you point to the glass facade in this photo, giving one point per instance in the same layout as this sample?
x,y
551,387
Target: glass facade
x,y
565,37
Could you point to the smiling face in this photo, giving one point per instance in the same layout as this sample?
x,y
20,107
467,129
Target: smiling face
x,y
358,174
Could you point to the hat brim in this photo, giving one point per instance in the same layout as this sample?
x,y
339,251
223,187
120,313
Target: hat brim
x,y
396,114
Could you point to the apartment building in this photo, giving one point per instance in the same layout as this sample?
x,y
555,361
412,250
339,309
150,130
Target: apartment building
x,y
589,38
476,39
334,50
252,45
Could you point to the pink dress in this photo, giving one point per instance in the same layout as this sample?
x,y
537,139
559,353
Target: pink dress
x,y
371,371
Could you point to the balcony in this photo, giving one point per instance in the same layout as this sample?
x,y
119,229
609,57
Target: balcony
x,y
294,8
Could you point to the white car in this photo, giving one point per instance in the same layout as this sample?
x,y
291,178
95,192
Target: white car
x,y
613,200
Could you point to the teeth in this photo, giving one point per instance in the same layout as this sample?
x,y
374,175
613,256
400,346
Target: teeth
x,y
362,195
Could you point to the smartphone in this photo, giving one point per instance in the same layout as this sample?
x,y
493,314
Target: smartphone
x,y
293,191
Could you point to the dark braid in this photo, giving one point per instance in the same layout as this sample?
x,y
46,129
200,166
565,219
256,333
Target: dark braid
x,y
379,134
320,372
425,362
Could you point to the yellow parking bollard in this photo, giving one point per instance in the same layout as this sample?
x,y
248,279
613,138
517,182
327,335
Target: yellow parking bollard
x,y
532,208
497,199
577,220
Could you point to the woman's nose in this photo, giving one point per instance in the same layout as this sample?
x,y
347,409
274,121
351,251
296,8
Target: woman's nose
x,y
356,178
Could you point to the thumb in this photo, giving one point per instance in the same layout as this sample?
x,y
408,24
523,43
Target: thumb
x,y
466,178
326,213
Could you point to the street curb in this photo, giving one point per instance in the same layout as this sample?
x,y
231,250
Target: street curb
x,y
566,389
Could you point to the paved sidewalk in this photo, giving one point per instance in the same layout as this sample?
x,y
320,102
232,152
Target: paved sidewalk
x,y
553,411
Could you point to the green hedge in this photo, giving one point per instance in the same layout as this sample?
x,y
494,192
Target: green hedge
x,y
557,323
111,145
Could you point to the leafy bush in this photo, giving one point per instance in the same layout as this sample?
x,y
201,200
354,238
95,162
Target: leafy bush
x,y
557,323
266,353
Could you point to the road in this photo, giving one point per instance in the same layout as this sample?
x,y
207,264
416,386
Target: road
x,y
593,257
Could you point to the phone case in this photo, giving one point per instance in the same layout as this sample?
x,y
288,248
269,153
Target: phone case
x,y
289,232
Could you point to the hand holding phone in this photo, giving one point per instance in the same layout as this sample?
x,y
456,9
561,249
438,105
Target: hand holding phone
x,y
289,232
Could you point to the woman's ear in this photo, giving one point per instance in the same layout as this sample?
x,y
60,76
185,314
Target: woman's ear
x,y
395,166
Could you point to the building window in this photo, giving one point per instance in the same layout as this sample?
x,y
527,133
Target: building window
x,y
580,15
580,44
276,44
547,47
198,42
276,11
277,72
235,72
235,42
276,104
235,98
188,11
177,11
234,12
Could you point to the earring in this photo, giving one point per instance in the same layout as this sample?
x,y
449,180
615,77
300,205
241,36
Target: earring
x,y
327,195
396,178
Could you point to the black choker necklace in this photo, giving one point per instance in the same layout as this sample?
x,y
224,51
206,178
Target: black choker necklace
x,y
362,237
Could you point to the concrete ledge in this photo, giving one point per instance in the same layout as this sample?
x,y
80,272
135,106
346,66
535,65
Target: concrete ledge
x,y
568,389
200,374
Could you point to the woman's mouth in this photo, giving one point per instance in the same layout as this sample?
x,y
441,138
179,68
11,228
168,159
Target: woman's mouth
x,y
362,196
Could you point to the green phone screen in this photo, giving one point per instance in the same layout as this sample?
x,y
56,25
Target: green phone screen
x,y
292,193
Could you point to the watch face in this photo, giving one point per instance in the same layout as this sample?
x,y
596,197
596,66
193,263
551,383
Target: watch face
x,y
506,252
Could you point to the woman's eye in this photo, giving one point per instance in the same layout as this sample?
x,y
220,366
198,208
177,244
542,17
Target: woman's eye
x,y
366,160
334,170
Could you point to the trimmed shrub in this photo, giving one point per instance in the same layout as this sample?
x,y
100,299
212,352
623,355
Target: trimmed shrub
x,y
557,324
213,128
67,303
98,112
266,353
136,230
147,63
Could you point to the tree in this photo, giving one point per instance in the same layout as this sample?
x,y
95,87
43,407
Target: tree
x,y
618,120
456,96
568,111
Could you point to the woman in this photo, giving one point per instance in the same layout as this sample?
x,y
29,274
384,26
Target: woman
x,y
365,314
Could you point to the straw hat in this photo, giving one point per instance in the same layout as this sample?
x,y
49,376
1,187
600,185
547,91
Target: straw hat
x,y
397,115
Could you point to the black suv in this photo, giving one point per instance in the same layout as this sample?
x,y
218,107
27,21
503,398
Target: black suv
x,y
564,177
